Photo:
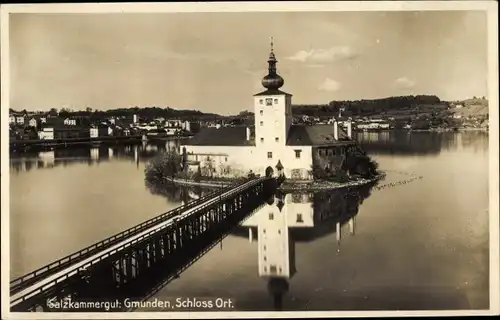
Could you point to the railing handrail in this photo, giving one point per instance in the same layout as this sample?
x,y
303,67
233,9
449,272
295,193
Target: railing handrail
x,y
147,235
77,255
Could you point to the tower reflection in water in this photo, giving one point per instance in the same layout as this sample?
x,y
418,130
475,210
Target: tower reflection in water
x,y
297,217
281,222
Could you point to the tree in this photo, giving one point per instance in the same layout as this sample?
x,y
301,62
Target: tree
x,y
53,112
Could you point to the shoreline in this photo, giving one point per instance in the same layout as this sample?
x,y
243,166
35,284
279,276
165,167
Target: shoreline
x,y
305,185
22,145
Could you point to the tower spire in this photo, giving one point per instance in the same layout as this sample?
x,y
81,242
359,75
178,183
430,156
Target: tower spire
x,y
272,81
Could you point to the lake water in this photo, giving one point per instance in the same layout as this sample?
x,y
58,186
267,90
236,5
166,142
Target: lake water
x,y
421,245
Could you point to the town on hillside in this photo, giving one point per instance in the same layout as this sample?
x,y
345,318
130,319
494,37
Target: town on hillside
x,y
395,113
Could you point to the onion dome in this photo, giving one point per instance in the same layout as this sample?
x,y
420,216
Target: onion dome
x,y
272,81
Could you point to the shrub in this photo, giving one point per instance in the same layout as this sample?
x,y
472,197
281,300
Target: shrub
x,y
339,176
162,166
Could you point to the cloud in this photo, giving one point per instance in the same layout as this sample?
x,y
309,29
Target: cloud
x,y
329,85
404,83
324,55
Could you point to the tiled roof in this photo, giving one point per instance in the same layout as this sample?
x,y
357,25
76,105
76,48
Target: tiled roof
x,y
224,136
271,92
316,135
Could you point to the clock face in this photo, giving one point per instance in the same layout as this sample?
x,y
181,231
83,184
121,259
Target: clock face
x,y
269,102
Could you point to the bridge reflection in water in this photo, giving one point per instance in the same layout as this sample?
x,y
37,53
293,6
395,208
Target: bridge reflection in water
x,y
137,262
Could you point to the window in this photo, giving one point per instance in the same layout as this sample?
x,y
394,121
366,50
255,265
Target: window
x,y
265,258
277,139
261,139
299,218
269,155
269,102
271,216
261,123
279,231
261,102
297,154
261,112
272,269
275,100
226,159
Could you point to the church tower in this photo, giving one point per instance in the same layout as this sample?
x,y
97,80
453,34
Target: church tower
x,y
273,114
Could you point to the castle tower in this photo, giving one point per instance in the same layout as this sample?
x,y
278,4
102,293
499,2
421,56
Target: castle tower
x,y
273,115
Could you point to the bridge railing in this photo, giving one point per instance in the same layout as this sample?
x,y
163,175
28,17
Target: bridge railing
x,y
21,282
143,237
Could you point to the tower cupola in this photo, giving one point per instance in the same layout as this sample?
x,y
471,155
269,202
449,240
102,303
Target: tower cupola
x,y
272,80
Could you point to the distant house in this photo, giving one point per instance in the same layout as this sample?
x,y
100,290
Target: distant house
x,y
33,122
46,134
459,106
94,132
70,122
100,131
191,126
12,119
373,126
69,132
20,119
53,122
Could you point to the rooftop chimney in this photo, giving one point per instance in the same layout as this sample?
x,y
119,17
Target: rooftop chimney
x,y
248,133
336,130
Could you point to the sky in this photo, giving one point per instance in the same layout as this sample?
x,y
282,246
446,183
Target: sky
x,y
214,62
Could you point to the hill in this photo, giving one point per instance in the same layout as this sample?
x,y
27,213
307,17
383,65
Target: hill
x,y
471,107
371,107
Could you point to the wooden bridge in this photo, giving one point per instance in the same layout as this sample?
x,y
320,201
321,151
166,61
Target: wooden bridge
x,y
158,248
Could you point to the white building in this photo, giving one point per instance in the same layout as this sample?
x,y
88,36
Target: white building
x,y
46,134
12,119
94,132
274,146
32,122
373,126
20,119
70,122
